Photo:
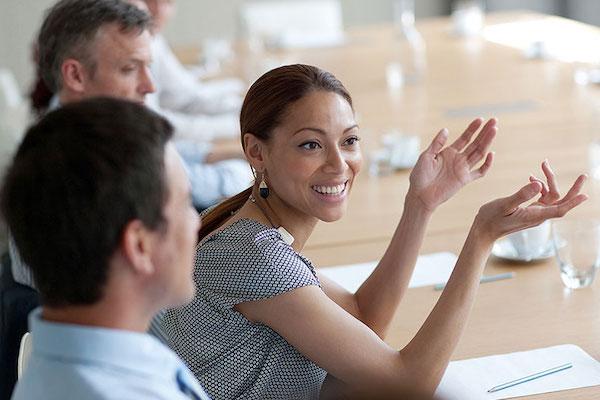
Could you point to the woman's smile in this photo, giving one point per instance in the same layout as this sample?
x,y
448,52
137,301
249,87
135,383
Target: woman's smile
x,y
331,192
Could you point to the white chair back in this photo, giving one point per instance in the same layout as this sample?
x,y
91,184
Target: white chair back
x,y
288,24
10,96
24,354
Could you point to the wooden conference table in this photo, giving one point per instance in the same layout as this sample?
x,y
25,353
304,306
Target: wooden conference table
x,y
542,114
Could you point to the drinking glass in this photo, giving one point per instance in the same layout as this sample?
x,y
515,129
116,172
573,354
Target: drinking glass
x,y
577,249
467,17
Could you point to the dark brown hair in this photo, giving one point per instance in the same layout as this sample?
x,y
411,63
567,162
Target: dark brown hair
x,y
80,175
264,108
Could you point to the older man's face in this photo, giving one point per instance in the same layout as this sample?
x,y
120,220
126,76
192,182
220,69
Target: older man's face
x,y
122,61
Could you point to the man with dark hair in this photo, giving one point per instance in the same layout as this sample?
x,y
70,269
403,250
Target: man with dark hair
x,y
113,244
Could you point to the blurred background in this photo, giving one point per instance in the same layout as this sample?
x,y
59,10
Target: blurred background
x,y
198,20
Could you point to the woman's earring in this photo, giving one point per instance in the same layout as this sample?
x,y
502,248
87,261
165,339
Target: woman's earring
x,y
263,189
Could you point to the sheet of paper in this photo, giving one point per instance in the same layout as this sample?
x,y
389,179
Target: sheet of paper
x,y
471,379
430,270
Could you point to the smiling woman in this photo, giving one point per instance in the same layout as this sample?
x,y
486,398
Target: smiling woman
x,y
263,323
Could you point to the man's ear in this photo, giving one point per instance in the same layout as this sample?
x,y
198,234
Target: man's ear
x,y
137,246
74,75
254,149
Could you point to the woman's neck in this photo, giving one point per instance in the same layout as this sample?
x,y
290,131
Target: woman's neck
x,y
272,211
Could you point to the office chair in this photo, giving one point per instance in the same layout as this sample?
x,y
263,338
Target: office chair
x,y
16,301
288,24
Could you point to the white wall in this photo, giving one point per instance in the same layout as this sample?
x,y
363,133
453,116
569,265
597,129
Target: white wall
x,y
205,18
545,6
584,10
19,22
197,19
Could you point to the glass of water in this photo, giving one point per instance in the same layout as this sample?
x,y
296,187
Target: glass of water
x,y
577,249
594,159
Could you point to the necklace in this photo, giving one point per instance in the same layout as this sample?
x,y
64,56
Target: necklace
x,y
285,235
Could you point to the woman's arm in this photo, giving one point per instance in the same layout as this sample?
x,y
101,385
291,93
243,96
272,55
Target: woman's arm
x,y
350,351
439,173
441,331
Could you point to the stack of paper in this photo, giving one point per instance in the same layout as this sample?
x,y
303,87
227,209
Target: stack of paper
x,y
430,270
471,379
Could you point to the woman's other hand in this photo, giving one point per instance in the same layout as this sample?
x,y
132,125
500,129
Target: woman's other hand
x,y
506,215
440,172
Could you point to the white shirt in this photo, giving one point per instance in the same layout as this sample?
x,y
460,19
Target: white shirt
x,y
199,111
91,363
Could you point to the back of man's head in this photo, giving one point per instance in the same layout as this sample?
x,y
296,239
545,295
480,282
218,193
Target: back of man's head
x,y
70,28
79,177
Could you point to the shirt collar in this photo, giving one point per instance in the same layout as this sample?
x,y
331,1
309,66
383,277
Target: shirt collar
x,y
136,352
54,103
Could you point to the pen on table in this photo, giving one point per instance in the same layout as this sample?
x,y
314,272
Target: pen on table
x,y
484,279
530,377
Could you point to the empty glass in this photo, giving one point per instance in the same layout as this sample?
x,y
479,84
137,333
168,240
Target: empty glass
x,y
408,54
594,159
577,249
467,17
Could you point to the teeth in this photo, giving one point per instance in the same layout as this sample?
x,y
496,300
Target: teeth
x,y
333,190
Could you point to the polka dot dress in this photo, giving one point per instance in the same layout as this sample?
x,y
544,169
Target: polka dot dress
x,y
232,357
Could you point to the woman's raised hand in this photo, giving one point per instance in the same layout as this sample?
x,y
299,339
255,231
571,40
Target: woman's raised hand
x,y
506,215
441,171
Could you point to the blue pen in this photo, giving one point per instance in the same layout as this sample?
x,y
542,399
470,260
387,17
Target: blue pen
x,y
531,377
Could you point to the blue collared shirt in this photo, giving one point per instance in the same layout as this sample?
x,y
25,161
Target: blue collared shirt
x,y
82,362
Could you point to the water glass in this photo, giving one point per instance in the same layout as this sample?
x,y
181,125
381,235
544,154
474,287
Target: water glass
x,y
594,159
577,249
380,163
467,17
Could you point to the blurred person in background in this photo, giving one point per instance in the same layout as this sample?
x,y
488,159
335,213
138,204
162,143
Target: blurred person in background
x,y
219,173
89,48
199,110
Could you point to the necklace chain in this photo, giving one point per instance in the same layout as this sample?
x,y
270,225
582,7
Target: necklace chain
x,y
253,200
286,236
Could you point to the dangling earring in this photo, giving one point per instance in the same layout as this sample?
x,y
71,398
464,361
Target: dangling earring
x,y
263,189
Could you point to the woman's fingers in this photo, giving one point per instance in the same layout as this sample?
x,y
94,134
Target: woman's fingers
x,y
553,192
438,142
574,190
485,167
465,138
480,146
526,193
533,178
558,210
